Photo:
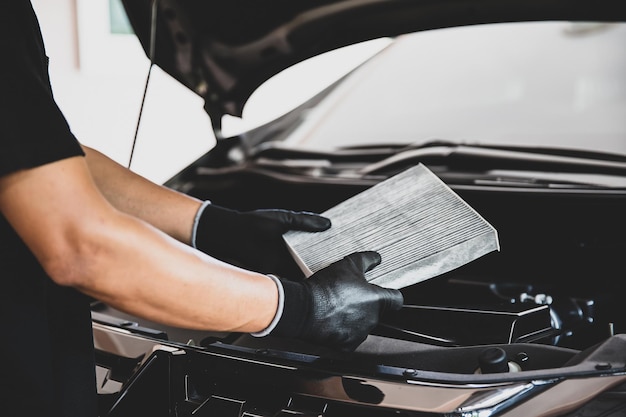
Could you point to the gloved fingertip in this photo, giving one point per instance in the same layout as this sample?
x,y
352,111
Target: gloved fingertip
x,y
366,260
397,300
363,261
311,222
392,300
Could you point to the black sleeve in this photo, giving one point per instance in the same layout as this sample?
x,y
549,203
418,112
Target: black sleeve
x,y
33,131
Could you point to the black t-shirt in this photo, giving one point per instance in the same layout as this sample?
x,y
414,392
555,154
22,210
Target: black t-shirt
x,y
46,344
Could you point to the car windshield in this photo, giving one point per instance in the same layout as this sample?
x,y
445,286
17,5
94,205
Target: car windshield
x,y
539,84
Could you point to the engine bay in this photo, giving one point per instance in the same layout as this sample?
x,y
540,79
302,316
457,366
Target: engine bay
x,y
552,292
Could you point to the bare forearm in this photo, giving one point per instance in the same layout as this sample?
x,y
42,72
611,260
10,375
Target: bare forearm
x,y
148,274
166,209
83,241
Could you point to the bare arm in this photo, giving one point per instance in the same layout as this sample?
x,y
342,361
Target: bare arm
x,y
83,241
166,209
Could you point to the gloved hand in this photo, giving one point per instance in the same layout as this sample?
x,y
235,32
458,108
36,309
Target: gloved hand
x,y
253,240
336,306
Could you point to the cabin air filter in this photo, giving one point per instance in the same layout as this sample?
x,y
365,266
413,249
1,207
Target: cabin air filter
x,y
420,227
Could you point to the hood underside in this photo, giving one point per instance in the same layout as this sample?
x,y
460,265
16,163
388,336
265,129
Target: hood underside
x,y
223,51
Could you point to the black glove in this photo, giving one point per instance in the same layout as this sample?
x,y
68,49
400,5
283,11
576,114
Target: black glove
x,y
253,240
336,306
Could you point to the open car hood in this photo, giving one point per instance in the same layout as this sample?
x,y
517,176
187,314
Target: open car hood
x,y
224,50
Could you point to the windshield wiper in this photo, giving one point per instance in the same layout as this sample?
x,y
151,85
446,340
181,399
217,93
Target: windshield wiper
x,y
481,158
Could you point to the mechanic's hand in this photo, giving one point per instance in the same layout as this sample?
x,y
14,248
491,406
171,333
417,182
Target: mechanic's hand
x,y
253,240
336,306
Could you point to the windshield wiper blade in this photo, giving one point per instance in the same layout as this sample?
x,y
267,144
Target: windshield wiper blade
x,y
556,151
483,158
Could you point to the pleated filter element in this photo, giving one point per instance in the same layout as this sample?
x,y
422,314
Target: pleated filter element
x,y
420,227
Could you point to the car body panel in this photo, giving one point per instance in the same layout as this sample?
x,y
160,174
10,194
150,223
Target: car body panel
x,y
271,382
223,51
